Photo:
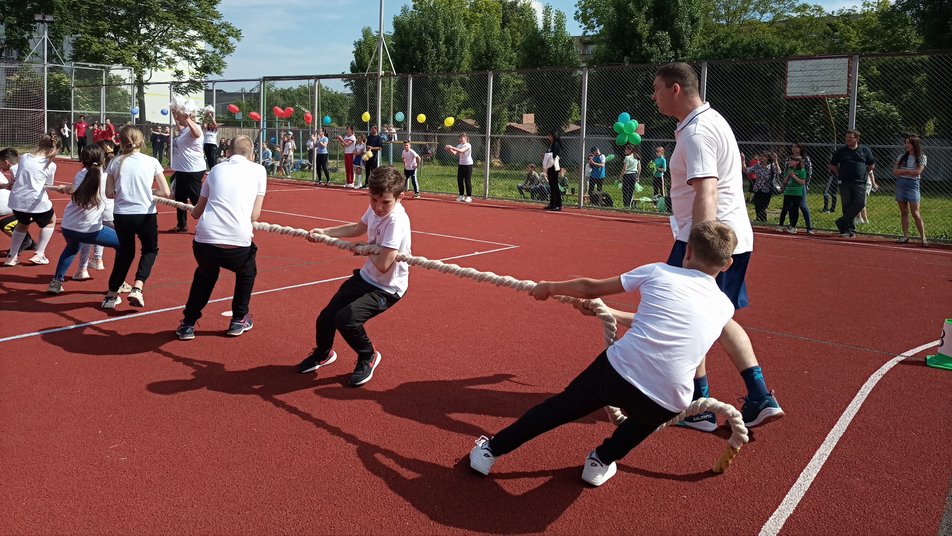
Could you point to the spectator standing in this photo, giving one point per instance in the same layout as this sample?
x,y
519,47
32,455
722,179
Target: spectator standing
x,y
851,163
660,167
629,175
64,132
320,146
908,173
349,141
79,128
596,161
550,164
795,181
188,163
797,149
763,170
411,163
374,146
210,138
464,170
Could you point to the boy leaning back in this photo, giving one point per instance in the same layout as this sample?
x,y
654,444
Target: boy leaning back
x,y
374,288
649,372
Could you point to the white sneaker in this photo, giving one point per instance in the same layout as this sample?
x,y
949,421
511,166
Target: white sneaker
x,y
110,302
56,286
81,275
481,459
467,199
39,258
461,198
11,261
135,297
595,472
97,264
124,288
792,230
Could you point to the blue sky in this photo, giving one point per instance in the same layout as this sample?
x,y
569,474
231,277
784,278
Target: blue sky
x,y
304,37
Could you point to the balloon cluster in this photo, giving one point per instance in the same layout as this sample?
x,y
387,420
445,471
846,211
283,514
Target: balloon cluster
x,y
626,128
183,105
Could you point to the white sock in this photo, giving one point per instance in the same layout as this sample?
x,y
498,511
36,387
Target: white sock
x,y
18,238
45,234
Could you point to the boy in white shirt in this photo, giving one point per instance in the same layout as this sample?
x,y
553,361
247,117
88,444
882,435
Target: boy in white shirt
x,y
230,202
649,372
411,161
373,289
8,222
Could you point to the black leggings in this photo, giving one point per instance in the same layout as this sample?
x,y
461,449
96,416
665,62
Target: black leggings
x,y
555,194
761,203
791,205
211,154
464,179
128,227
322,165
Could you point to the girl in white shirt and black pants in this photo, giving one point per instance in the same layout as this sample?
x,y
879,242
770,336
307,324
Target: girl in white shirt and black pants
x,y
188,163
230,202
29,201
464,172
131,180
210,138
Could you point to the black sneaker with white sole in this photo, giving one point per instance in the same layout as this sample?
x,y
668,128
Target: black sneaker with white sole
x,y
185,331
316,361
364,370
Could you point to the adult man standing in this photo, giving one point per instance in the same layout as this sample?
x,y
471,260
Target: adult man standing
x,y
706,184
80,129
850,164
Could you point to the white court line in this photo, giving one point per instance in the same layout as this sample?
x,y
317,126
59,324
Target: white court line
x,y
176,308
800,487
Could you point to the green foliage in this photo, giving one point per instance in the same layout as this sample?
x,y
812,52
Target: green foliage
x,y
550,45
651,31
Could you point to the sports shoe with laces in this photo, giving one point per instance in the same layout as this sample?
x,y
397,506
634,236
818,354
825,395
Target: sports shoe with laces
x,y
110,302
705,422
237,327
314,361
97,264
135,297
467,199
185,331
596,472
124,288
757,412
364,370
11,261
481,459
39,258
55,287
81,275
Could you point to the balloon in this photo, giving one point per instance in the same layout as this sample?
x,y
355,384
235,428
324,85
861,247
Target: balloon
x,y
368,155
254,116
278,112
399,117
629,127
639,187
232,108
449,121
308,118
288,112
634,123
327,120
618,127
624,117
134,111
621,139
421,118
634,138
164,111
273,140
609,157
365,117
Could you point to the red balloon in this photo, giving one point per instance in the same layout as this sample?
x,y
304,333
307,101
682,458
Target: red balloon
x,y
254,116
278,112
308,118
288,112
232,108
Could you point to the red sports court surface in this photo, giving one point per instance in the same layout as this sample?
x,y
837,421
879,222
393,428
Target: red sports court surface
x,y
110,425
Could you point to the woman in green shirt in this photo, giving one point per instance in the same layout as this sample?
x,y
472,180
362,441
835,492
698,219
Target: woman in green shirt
x,y
793,193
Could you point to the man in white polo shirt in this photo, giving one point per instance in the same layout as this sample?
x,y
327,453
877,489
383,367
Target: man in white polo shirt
x,y
229,203
706,184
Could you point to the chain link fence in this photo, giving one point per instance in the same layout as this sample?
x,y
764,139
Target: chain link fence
x,y
506,116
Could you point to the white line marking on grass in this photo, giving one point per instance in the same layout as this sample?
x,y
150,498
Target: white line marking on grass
x,y
800,487
219,300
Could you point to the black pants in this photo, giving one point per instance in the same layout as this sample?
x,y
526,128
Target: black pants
x,y
356,302
188,187
128,227
761,203
853,200
657,185
410,175
211,259
596,387
628,181
464,179
322,165
791,205
80,145
369,167
832,186
158,151
211,154
555,195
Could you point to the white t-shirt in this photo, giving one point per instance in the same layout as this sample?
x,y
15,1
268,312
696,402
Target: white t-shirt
x,y
466,154
4,193
211,136
409,160
109,203
681,314
349,149
135,174
187,152
910,163
231,189
392,231
706,147
76,218
33,173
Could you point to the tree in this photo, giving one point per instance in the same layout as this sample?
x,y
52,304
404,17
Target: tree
x,y
551,94
19,28
190,39
651,31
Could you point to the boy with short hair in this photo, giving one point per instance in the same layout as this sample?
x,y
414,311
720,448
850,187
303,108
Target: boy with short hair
x,y
648,372
373,289
411,161
530,184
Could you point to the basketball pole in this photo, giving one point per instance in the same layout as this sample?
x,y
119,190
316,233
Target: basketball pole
x,y
380,70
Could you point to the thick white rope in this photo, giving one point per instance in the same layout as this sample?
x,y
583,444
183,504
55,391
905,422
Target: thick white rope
x,y
602,312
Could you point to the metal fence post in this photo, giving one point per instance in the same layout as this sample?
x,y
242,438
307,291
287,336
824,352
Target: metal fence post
x,y
72,109
703,87
854,88
409,117
262,132
581,173
102,99
316,102
172,132
489,129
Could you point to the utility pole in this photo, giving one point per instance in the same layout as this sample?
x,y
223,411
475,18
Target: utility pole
x,y
45,20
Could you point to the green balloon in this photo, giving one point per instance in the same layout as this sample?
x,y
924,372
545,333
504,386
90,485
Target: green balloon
x,y
618,127
609,157
621,139
629,127
639,187
634,138
635,122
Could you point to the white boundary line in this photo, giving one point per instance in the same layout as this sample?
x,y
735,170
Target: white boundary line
x,y
176,308
800,487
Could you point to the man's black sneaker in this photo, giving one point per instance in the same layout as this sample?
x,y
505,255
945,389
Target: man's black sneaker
x,y
364,370
314,361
